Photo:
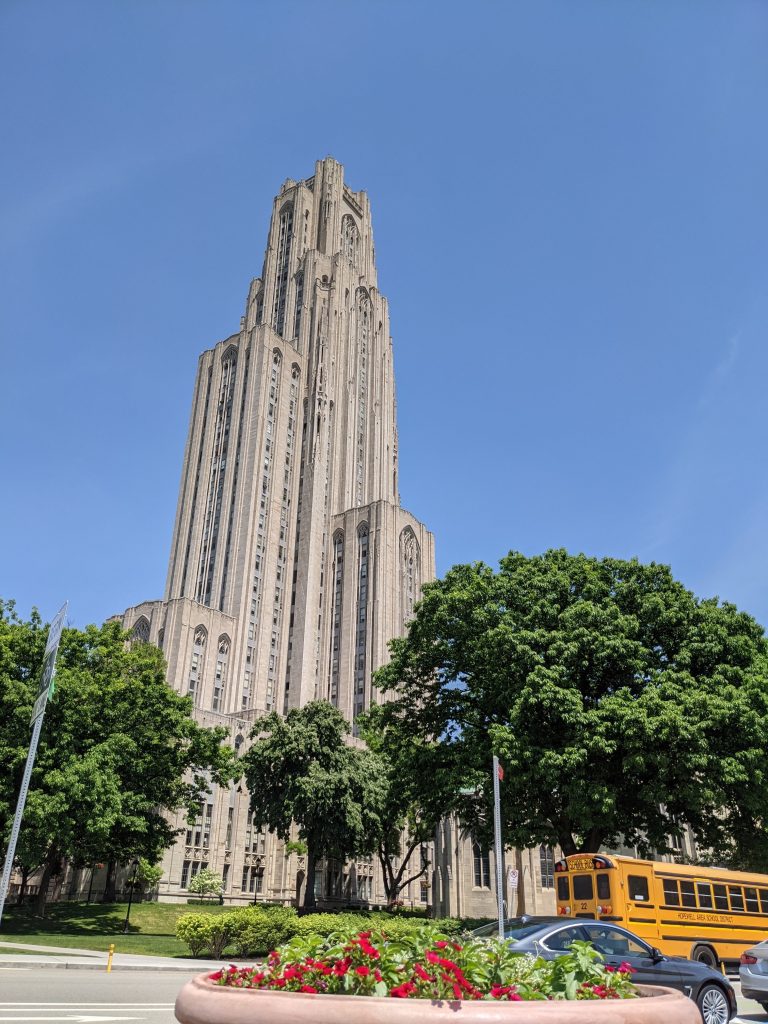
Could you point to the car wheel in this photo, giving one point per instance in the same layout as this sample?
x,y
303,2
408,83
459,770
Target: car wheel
x,y
705,955
713,1005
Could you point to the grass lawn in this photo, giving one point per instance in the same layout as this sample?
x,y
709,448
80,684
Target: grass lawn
x,y
95,925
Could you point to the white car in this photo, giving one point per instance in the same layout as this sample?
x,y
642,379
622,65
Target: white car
x,y
753,973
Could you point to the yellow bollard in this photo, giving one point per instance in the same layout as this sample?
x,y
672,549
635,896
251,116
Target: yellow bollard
x,y
109,958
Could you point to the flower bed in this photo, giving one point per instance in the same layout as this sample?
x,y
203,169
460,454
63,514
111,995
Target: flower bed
x,y
432,967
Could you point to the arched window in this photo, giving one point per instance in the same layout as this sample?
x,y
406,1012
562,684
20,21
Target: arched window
x,y
198,659
220,679
482,864
410,574
140,631
350,239
284,237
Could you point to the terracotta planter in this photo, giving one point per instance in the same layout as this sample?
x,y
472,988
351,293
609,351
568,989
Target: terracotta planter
x,y
203,1002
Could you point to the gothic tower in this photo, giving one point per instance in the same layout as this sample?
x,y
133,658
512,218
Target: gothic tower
x,y
292,563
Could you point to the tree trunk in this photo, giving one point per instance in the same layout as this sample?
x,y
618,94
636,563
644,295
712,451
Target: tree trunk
x,y
50,867
567,844
23,886
310,900
110,883
592,841
521,908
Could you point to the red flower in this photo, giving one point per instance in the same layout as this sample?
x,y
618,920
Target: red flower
x,y
362,970
441,944
626,968
308,988
421,973
433,958
403,991
216,975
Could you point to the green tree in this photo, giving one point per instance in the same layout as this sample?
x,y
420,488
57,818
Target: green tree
x,y
303,769
119,751
620,705
409,814
206,883
148,875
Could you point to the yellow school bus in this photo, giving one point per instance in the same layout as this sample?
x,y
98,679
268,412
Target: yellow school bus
x,y
707,914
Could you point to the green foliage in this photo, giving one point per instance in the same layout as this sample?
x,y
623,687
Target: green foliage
x,y
427,965
296,846
207,883
618,703
205,934
257,930
301,770
408,818
148,875
118,752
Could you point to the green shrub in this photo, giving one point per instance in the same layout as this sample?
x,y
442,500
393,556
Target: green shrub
x,y
258,930
205,934
328,924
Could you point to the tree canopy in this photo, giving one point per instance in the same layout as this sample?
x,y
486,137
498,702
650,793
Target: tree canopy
x,y
621,706
302,769
119,750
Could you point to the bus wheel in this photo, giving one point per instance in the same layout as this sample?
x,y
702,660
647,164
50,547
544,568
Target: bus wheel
x,y
705,955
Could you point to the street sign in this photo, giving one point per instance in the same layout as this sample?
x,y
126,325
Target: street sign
x,y
512,878
45,687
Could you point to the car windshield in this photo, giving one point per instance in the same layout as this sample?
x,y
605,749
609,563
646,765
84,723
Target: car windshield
x,y
515,928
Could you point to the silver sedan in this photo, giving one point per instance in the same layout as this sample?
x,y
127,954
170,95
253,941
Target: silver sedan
x,y
753,973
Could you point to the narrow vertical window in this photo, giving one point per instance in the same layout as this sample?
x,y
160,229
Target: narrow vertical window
x,y
338,594
299,304
547,863
410,574
361,636
220,678
481,859
284,237
196,666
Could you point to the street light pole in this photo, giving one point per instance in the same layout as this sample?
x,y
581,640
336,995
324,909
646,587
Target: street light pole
x,y
130,896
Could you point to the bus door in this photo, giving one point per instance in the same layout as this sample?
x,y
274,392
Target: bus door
x,y
640,911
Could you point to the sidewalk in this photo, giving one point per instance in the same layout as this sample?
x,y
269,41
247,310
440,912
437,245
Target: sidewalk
x,y
95,960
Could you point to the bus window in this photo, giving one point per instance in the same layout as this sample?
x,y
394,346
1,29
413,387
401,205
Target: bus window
x,y
582,887
704,891
563,889
671,895
721,897
687,893
737,897
638,887
764,900
750,896
603,887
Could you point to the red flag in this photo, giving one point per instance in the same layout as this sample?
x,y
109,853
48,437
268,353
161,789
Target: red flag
x,y
500,773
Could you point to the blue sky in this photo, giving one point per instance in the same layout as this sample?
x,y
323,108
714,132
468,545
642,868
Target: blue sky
x,y
571,219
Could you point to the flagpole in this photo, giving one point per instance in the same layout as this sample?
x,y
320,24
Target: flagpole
x,y
497,775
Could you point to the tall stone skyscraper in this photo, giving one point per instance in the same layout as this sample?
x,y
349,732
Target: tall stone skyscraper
x,y
292,562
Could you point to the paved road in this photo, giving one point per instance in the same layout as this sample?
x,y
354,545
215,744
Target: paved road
x,y
45,995
39,994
